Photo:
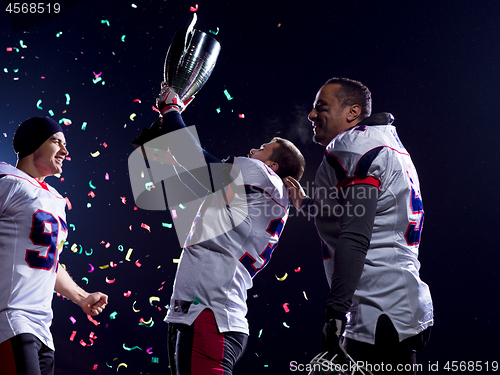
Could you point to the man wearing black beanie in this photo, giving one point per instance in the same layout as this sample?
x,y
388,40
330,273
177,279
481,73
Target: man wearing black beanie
x,y
33,230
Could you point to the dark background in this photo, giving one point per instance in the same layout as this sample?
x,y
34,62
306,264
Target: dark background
x,y
434,65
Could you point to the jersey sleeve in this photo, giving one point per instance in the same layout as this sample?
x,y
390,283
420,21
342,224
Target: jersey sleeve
x,y
358,158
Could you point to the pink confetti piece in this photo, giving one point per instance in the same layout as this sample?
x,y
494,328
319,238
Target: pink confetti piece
x,y
110,281
72,337
107,245
305,296
105,144
68,203
285,306
95,367
174,214
93,320
149,350
106,176
124,200
91,268
194,9
137,101
137,263
112,264
9,49
73,320
145,226
241,115
83,343
297,270
91,194
127,294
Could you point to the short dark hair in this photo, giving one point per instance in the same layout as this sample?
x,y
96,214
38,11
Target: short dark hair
x,y
289,158
353,92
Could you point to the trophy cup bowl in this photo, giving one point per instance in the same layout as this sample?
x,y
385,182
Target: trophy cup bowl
x,y
189,63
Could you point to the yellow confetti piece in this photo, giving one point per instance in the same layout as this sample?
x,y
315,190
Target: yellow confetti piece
x,y
282,278
153,298
132,116
176,261
120,365
128,254
133,307
95,154
103,267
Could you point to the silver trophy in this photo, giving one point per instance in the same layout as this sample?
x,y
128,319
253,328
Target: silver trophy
x,y
190,60
189,63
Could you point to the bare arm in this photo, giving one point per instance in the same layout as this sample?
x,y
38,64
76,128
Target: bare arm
x,y
91,303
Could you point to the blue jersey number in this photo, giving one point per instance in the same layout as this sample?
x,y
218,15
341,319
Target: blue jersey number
x,y
44,232
275,228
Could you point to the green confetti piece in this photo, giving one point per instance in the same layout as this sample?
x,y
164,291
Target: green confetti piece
x,y
67,99
89,205
21,43
182,206
120,247
113,315
5,70
105,22
84,126
155,360
15,70
286,325
58,34
38,104
218,110
123,38
72,226
130,349
228,96
167,225
260,333
214,32
91,252
90,184
85,279
51,112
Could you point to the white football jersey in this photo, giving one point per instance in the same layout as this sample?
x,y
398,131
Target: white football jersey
x,y
390,283
32,231
217,265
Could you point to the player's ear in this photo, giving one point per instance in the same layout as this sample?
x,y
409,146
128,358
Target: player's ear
x,y
354,112
273,165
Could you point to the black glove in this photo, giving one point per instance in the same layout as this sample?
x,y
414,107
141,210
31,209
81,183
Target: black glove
x,y
332,333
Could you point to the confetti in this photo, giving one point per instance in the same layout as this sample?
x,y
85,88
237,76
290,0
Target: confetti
x,y
128,254
260,333
67,99
38,104
110,281
194,9
123,38
149,351
73,320
91,268
167,225
91,194
84,126
113,315
285,307
297,270
145,226
95,154
127,294
241,115
137,263
120,365
305,296
153,298
132,116
106,176
286,325
214,32
72,337
229,97
90,184
85,279
93,320
58,34
130,349
124,200
282,278
105,22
